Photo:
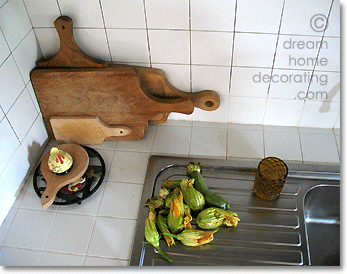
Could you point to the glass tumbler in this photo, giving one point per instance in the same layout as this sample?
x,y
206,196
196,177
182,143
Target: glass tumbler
x,y
270,178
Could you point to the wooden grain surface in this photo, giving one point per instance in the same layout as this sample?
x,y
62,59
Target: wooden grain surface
x,y
85,129
56,182
75,84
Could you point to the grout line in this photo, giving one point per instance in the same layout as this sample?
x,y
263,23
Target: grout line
x,y
314,66
301,150
103,21
147,33
232,50
274,59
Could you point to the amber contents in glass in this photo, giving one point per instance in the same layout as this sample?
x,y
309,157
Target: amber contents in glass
x,y
270,178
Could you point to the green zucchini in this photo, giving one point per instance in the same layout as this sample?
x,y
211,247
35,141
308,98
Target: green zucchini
x,y
211,198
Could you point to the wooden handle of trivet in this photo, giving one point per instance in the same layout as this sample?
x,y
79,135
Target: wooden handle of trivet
x,y
70,55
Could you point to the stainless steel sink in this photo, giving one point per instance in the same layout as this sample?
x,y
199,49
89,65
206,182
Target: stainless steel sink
x,y
280,232
322,222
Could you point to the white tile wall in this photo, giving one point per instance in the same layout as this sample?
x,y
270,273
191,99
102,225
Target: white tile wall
x,y
218,45
218,38
22,132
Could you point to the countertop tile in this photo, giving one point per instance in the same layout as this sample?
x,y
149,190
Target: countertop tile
x,y
12,256
70,233
245,143
319,148
284,145
202,145
112,238
60,259
108,218
172,140
27,232
120,200
128,167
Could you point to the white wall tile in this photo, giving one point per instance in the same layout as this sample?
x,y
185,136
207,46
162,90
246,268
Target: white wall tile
x,y
22,114
329,55
258,16
17,169
85,14
283,112
5,50
14,11
128,45
297,15
6,214
49,42
177,75
170,14
11,83
212,15
246,110
168,46
211,48
26,55
254,49
2,2
319,114
250,82
42,12
333,28
289,84
33,96
93,42
325,86
124,14
9,142
297,52
211,78
2,114
219,115
35,139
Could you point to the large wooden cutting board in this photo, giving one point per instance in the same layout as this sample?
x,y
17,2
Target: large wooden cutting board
x,y
75,84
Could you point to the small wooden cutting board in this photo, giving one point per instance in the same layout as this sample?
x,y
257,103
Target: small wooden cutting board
x,y
85,129
56,182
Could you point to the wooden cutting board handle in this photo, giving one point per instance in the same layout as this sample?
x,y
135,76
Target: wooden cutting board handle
x,y
69,55
56,182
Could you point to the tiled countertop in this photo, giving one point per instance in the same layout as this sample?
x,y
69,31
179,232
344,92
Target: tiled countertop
x,y
100,231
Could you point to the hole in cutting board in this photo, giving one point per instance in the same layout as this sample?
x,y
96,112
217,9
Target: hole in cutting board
x,y
209,104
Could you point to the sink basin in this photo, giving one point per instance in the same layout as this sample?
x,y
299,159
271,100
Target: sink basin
x,y
322,221
301,227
